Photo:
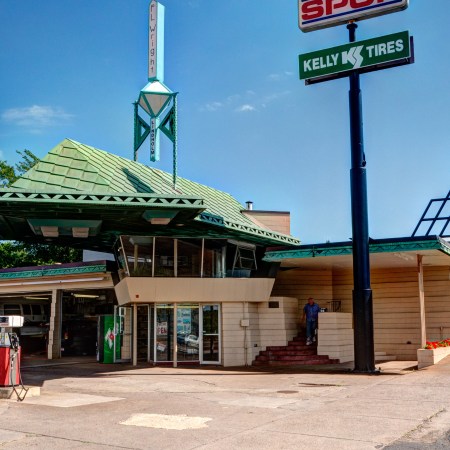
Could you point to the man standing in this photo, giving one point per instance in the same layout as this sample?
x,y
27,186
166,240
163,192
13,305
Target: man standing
x,y
311,314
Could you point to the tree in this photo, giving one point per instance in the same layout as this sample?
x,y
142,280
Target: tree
x,y
9,174
21,254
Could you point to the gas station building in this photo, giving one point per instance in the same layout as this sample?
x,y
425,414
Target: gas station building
x,y
196,277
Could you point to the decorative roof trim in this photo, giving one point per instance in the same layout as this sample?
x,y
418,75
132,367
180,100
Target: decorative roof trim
x,y
257,232
46,272
129,199
385,246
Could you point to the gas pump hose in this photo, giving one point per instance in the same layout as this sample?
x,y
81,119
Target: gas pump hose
x,y
14,351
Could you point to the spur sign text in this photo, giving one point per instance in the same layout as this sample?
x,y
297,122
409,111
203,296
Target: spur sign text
x,y
316,14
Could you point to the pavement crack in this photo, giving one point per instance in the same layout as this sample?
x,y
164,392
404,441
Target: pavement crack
x,y
81,441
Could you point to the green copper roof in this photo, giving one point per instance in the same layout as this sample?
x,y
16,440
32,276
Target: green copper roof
x,y
345,248
74,177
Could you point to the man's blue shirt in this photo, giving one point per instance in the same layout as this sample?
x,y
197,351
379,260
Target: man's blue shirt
x,y
311,311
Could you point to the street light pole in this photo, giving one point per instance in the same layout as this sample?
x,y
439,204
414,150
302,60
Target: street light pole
x,y
362,292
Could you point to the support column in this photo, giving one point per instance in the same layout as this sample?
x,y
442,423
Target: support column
x,y
423,326
362,292
54,332
135,334
175,340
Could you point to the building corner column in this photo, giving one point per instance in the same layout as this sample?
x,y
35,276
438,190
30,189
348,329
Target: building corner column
x,y
423,326
54,332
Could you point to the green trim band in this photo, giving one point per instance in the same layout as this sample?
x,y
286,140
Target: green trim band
x,y
101,199
53,272
375,247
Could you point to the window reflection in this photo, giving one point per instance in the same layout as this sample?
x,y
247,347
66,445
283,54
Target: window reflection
x,y
164,257
150,256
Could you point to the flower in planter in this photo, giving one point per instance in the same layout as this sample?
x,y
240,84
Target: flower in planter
x,y
435,344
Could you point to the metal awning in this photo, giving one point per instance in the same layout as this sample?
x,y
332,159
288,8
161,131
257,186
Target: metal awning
x,y
384,253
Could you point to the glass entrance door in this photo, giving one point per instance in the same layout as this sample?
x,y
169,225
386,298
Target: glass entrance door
x,y
210,334
188,327
196,333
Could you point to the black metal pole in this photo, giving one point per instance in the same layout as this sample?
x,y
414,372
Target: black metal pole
x,y
362,292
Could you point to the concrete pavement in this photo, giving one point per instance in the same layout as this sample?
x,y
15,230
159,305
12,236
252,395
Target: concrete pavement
x,y
93,406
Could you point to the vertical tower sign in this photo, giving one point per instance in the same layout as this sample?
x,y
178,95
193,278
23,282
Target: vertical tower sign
x,y
156,42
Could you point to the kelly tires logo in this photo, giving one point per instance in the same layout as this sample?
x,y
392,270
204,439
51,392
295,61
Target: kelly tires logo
x,y
316,14
371,54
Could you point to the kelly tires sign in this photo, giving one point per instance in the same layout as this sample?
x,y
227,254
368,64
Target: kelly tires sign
x,y
365,56
316,14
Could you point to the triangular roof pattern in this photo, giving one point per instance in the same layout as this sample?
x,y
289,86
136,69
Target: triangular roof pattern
x,y
76,172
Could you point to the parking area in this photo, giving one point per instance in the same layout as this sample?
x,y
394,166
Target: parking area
x,y
88,405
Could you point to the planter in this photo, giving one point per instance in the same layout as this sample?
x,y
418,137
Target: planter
x,y
428,357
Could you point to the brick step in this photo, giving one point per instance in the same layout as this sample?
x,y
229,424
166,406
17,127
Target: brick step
x,y
291,348
287,352
301,344
294,353
290,357
311,362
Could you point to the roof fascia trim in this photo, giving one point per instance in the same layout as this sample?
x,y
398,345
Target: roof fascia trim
x,y
76,197
246,229
382,246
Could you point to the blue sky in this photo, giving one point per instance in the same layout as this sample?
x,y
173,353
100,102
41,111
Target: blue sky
x,y
247,124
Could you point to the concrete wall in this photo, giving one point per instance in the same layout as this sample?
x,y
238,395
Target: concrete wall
x,y
395,302
247,328
302,284
195,290
335,336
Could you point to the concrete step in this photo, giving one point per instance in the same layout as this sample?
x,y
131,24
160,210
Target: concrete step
x,y
311,362
290,357
287,352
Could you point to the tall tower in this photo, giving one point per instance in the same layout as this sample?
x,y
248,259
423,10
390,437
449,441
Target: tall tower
x,y
156,99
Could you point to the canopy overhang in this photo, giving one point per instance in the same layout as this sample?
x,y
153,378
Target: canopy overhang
x,y
384,253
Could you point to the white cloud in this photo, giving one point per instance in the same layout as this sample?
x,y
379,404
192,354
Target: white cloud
x,y
273,97
247,102
36,117
246,108
213,106
279,76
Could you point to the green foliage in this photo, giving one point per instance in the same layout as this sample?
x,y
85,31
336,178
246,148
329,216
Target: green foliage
x,y
9,174
20,254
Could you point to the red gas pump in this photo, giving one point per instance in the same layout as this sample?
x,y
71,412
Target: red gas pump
x,y
9,351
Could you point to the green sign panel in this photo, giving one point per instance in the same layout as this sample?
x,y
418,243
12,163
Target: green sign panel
x,y
364,56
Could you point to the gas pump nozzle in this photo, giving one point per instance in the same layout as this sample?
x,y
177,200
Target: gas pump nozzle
x,y
14,342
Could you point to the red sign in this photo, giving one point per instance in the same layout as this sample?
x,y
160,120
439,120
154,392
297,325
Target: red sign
x,y
316,14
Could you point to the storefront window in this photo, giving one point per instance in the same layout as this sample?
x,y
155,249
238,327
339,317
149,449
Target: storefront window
x,y
149,256
138,252
189,257
164,332
213,263
164,257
